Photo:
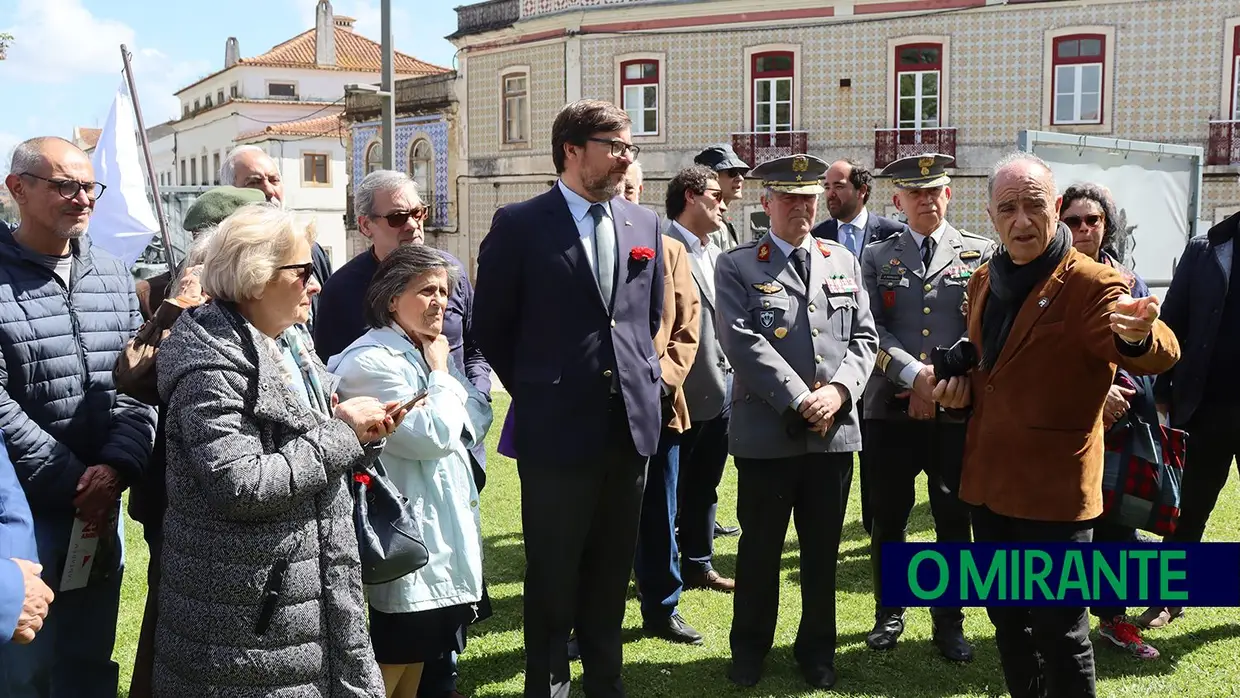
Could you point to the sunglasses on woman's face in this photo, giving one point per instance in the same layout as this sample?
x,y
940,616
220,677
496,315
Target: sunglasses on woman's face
x,y
1074,221
397,219
307,271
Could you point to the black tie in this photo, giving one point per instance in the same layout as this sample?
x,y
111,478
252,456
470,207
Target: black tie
x,y
800,260
927,251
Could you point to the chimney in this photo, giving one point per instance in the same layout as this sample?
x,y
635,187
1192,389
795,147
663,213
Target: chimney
x,y
324,35
345,23
232,52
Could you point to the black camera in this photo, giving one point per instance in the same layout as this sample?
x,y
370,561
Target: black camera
x,y
954,361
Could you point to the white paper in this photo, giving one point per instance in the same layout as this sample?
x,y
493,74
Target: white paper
x,y
83,541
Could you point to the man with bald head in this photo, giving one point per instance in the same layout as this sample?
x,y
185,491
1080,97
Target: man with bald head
x,y
1050,326
250,167
66,311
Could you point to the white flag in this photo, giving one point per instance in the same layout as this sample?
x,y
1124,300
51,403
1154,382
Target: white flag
x,y
123,222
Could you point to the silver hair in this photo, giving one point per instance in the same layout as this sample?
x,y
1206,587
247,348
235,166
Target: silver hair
x,y
28,154
403,265
228,169
379,181
198,248
1012,158
635,172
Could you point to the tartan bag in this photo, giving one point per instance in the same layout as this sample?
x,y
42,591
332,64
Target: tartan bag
x,y
1143,467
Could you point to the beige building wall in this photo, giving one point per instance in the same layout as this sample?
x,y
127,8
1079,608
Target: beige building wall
x,y
1166,71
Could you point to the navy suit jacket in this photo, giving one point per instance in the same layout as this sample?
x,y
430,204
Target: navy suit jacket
x,y
16,541
877,228
543,326
1193,309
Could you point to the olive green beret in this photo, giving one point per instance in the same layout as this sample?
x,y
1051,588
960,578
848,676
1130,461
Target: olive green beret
x,y
217,204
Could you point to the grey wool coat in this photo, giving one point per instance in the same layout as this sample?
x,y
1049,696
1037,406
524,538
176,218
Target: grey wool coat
x,y
255,478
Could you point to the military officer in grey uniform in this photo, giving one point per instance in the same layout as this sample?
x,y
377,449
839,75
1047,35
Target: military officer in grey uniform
x,y
795,324
916,282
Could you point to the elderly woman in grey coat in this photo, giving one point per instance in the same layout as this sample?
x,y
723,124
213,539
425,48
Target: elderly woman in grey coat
x,y
261,592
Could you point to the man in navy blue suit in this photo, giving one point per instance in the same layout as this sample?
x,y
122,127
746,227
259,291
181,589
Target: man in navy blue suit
x,y
849,185
569,297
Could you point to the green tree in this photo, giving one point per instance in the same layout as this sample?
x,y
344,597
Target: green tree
x,y
5,40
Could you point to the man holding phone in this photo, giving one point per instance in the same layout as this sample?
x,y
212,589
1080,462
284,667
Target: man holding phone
x,y
916,283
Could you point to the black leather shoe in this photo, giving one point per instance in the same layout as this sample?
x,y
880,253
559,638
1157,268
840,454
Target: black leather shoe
x,y
888,627
722,531
574,649
949,638
819,676
673,629
744,674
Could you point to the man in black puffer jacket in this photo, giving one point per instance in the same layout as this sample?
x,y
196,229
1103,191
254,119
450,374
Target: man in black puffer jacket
x,y
66,312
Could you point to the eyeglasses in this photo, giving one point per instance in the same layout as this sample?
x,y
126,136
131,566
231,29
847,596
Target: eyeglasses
x,y
619,148
397,219
307,271
1074,221
733,172
69,188
716,194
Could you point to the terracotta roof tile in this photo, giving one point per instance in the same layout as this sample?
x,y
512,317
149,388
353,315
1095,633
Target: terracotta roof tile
x,y
354,52
87,137
326,126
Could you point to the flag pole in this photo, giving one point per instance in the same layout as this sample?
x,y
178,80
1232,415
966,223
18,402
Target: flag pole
x,y
150,164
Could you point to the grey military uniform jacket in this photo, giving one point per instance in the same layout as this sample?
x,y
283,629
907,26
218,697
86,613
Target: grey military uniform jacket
x,y
915,309
783,339
706,386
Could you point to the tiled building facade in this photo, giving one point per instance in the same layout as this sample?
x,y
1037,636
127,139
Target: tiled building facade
x,y
837,78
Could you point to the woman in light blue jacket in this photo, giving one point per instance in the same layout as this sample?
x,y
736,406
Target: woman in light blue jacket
x,y
422,615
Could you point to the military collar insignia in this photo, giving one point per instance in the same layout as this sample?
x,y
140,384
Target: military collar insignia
x,y
764,252
767,288
824,248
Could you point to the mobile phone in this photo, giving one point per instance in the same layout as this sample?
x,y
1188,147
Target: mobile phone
x,y
408,405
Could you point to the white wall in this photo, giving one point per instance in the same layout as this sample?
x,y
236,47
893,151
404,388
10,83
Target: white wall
x,y
326,205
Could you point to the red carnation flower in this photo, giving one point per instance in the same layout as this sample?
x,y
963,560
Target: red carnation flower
x,y
363,478
641,254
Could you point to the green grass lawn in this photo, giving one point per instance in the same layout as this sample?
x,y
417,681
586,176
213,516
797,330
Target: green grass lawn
x,y
1201,652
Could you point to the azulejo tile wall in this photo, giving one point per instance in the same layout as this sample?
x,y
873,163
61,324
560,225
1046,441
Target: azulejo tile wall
x,y
485,112
407,128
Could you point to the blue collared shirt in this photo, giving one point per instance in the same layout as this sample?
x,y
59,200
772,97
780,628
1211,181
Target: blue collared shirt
x,y
579,207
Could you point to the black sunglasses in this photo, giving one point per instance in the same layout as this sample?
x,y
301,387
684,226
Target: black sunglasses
x,y
1074,221
307,271
69,188
397,219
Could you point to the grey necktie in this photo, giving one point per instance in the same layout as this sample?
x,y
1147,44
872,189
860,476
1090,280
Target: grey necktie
x,y
927,251
604,251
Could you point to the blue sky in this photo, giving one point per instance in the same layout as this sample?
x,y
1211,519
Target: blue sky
x,y
64,66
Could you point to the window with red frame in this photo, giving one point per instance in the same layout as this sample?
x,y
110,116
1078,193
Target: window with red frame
x,y
639,95
1235,76
772,74
919,78
1078,75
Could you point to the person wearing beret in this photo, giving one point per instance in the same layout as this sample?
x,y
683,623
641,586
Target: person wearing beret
x,y
916,283
795,324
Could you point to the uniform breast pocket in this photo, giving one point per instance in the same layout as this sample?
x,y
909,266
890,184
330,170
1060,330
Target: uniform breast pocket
x,y
769,312
843,307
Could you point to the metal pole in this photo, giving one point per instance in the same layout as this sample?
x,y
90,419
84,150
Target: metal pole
x,y
150,163
387,102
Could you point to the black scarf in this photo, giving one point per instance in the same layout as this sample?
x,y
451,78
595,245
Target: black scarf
x,y
1010,284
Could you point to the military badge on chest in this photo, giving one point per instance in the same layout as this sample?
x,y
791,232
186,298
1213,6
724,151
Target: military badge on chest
x,y
767,318
840,283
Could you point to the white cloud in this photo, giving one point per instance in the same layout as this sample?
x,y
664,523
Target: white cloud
x,y
157,79
44,32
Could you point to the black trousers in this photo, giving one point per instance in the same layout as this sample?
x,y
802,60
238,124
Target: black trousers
x,y
1213,442
864,466
703,455
1106,532
580,527
1045,651
813,490
898,452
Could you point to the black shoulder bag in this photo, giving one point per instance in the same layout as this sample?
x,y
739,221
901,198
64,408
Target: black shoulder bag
x,y
388,539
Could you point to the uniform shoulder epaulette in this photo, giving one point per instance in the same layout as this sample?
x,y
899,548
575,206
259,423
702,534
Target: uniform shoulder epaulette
x,y
743,246
975,236
829,241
